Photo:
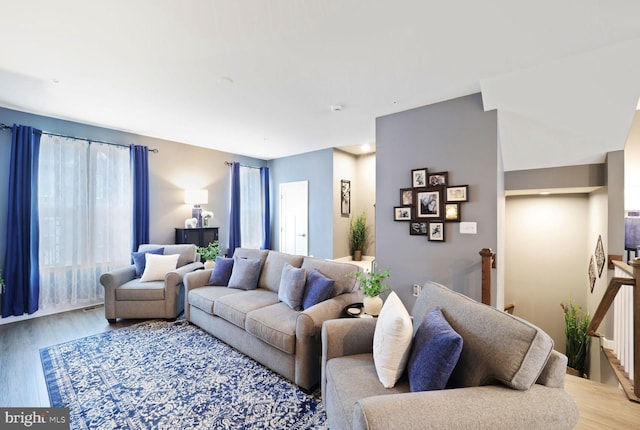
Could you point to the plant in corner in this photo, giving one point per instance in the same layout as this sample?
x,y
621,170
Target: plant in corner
x,y
576,321
358,235
209,253
372,284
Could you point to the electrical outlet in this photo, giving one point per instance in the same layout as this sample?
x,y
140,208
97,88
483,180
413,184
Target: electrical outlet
x,y
416,289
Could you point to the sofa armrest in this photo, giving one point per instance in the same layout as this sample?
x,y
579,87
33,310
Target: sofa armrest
x,y
112,280
346,336
197,279
488,407
310,320
175,277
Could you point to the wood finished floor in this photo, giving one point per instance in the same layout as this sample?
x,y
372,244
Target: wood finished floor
x,y
22,380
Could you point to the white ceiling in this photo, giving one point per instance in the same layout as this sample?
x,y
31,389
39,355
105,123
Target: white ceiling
x,y
563,75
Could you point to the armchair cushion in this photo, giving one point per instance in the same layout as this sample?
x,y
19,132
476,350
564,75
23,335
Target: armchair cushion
x,y
157,266
139,259
434,353
318,288
221,272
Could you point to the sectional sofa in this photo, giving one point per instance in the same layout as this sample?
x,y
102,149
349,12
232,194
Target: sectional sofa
x,y
258,324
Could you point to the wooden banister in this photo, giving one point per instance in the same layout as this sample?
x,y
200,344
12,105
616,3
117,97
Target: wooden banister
x,y
605,304
488,262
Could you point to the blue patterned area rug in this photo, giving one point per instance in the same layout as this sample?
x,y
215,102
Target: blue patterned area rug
x,y
171,375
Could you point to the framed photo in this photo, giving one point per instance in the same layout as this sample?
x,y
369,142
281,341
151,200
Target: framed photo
x,y
419,178
428,203
439,179
406,196
600,257
452,212
592,275
402,213
459,193
436,231
345,199
419,228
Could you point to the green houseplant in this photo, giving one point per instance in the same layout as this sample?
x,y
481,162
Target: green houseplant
x,y
358,235
209,253
372,284
576,321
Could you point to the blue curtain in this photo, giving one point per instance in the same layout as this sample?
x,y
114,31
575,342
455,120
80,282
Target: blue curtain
x,y
21,270
266,208
140,172
234,214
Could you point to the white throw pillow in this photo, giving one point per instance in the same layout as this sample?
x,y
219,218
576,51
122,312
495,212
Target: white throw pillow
x,y
392,341
157,266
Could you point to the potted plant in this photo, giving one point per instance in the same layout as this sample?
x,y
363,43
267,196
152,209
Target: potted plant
x,y
358,233
209,253
576,321
372,285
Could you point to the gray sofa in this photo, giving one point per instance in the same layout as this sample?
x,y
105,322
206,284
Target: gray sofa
x,y
499,352
257,324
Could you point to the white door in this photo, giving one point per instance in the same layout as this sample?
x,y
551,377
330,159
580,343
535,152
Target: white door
x,y
294,217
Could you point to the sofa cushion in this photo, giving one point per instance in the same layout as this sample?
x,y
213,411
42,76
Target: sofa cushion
x,y
245,273
434,353
338,271
318,288
249,253
203,298
235,307
497,348
137,290
272,269
275,325
392,340
221,272
140,261
157,266
291,287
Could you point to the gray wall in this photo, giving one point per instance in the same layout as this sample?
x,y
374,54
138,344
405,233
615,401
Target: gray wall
x,y
457,136
317,168
176,167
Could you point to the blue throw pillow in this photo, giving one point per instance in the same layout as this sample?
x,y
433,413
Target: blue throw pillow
x,y
291,287
221,272
245,273
317,289
434,353
139,260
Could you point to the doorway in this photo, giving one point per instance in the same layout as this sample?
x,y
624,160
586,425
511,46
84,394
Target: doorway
x,y
294,217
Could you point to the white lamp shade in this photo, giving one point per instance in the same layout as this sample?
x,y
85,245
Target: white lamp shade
x,y
196,197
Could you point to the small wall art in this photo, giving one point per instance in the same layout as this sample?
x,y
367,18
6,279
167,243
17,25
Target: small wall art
x,y
345,199
402,213
458,193
419,177
452,212
419,228
428,203
600,256
436,231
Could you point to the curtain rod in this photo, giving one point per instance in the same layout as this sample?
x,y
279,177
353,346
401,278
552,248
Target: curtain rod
x,y
7,127
229,163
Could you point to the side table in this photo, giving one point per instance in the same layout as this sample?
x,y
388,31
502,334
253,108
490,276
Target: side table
x,y
355,310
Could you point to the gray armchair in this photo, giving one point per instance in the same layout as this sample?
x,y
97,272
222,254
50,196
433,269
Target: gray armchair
x,y
126,297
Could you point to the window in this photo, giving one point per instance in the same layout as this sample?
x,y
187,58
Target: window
x,y
251,208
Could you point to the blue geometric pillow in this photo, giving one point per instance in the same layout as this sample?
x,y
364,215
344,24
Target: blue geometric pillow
x,y
140,261
221,272
318,288
434,353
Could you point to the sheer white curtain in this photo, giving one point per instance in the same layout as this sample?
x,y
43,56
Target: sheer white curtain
x,y
84,197
250,208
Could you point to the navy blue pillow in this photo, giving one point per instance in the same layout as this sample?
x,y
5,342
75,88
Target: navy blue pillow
x,y
434,353
221,272
140,261
318,288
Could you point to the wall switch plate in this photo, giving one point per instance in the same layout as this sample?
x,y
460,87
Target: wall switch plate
x,y
416,289
468,228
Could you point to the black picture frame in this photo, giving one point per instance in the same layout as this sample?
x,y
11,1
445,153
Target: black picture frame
x,y
406,196
419,177
458,193
436,231
428,203
419,228
438,179
345,197
403,213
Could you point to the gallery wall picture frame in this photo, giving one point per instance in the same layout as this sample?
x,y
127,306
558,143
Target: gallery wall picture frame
x,y
402,213
345,197
452,212
436,231
438,179
419,177
428,203
406,196
458,193
419,228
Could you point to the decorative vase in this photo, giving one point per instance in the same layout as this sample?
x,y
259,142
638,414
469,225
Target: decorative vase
x,y
209,264
372,305
357,255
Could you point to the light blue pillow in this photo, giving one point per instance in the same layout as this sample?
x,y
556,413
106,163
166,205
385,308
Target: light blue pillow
x,y
140,261
221,272
317,289
245,274
291,287
434,353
